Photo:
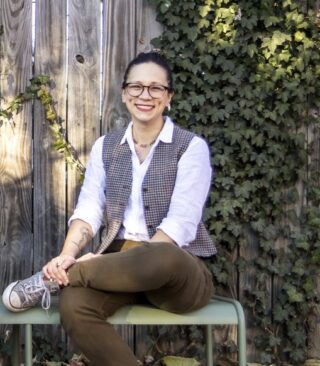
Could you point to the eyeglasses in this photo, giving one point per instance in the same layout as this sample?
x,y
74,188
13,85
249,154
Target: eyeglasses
x,y
155,91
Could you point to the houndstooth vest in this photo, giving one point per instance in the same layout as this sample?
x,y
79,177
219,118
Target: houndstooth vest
x,y
157,187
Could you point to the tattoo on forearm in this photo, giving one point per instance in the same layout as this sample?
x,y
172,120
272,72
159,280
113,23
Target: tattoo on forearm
x,y
85,236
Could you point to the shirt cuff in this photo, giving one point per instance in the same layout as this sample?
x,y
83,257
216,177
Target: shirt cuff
x,y
82,216
182,234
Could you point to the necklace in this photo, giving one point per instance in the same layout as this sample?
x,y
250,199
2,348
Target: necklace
x,y
144,146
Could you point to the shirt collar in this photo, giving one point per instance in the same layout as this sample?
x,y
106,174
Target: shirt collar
x,y
164,136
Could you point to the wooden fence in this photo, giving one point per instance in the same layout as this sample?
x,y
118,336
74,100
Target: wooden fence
x,y
84,46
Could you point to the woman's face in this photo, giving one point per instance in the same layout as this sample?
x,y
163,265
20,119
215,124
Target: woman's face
x,y
145,108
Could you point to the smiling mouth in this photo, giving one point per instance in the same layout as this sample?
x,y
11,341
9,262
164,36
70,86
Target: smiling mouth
x,y
144,107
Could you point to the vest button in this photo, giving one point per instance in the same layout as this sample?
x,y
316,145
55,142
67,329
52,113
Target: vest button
x,y
150,226
144,189
147,207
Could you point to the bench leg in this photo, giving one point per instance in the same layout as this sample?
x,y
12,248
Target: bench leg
x,y
209,345
242,343
15,343
28,345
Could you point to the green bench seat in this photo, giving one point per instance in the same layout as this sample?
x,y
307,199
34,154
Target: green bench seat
x,y
220,311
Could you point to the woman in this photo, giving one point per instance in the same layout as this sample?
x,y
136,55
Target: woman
x,y
148,184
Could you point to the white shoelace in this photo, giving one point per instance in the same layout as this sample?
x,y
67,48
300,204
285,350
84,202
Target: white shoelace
x,y
34,290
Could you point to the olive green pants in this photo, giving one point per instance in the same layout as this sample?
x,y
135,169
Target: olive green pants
x,y
160,273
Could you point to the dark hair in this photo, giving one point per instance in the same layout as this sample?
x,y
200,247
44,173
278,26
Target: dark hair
x,y
154,57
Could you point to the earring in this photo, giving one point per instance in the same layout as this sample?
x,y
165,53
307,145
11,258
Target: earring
x,y
169,107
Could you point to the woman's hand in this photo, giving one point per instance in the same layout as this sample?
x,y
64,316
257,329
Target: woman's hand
x,y
56,269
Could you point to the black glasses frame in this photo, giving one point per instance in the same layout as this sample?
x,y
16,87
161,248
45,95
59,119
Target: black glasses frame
x,y
166,88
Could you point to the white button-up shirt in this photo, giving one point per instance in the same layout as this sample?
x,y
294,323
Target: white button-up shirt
x,y
188,198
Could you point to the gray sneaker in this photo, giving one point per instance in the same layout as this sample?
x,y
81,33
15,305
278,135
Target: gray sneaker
x,y
22,295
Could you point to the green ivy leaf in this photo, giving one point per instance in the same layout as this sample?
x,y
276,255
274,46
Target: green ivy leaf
x,y
294,295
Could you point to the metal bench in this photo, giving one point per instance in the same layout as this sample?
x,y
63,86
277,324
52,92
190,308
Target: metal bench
x,y
220,311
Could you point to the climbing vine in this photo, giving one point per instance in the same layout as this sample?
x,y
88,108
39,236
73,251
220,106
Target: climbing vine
x,y
247,78
39,88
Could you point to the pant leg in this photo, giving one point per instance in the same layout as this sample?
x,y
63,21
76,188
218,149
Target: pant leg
x,y
83,314
172,278
191,290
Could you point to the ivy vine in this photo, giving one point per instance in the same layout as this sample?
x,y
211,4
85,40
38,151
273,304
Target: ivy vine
x,y
247,78
39,88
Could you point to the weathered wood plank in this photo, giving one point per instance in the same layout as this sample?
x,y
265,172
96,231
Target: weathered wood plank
x,y
247,281
126,27
146,29
83,80
228,333
16,251
314,330
49,166
314,319
119,47
83,118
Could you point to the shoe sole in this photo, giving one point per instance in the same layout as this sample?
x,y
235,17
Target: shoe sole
x,y
6,299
